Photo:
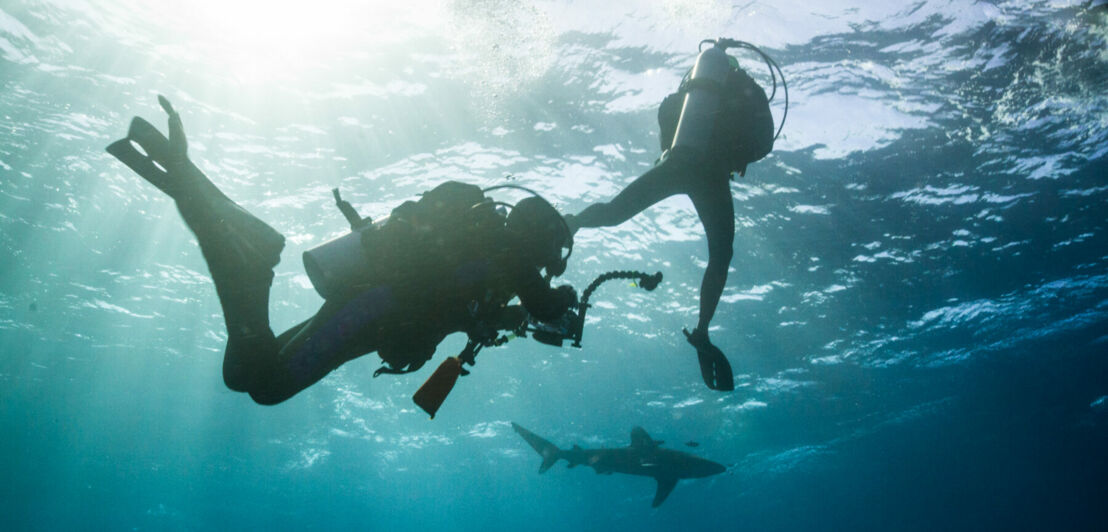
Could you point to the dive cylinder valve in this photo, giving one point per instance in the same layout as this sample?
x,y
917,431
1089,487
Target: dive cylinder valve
x,y
702,101
338,264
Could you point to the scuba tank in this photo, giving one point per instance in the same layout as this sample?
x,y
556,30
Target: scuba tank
x,y
702,101
340,263
717,98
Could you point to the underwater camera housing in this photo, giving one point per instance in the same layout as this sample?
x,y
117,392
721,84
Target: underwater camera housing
x,y
431,395
571,325
554,333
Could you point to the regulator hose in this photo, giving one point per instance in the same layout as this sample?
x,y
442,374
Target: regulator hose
x,y
645,281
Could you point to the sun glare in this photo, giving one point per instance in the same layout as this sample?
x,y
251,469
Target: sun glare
x,y
263,40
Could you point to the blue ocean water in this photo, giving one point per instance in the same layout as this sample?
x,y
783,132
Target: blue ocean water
x,y
917,311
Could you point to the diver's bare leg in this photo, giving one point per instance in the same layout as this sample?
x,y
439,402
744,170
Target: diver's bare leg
x,y
716,210
664,180
712,199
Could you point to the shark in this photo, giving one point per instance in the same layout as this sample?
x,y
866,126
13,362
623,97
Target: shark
x,y
644,457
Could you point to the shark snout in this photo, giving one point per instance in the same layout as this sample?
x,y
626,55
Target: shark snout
x,y
707,468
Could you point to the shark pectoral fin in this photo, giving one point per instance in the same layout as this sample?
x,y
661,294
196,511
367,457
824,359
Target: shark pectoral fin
x,y
665,486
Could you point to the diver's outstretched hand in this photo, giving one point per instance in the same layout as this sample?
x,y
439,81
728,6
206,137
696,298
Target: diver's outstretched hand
x,y
714,367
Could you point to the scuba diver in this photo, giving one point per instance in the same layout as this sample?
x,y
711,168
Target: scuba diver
x,y
450,262
717,123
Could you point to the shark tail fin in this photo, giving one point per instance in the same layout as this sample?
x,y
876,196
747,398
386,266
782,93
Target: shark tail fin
x,y
549,452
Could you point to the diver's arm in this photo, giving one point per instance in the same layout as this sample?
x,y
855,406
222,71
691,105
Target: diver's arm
x,y
539,299
510,318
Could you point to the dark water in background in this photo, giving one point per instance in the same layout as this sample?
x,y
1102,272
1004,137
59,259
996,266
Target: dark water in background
x,y
916,313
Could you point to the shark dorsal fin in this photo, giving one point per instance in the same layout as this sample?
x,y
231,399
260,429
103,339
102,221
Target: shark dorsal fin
x,y
640,439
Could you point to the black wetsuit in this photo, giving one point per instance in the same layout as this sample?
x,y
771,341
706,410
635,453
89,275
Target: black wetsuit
x,y
425,290
403,320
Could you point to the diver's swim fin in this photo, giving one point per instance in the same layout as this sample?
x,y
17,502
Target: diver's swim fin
x,y
153,141
714,367
179,177
142,164
163,161
231,238
153,165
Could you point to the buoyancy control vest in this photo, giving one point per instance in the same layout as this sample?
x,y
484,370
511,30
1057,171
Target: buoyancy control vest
x,y
413,239
424,240
435,253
